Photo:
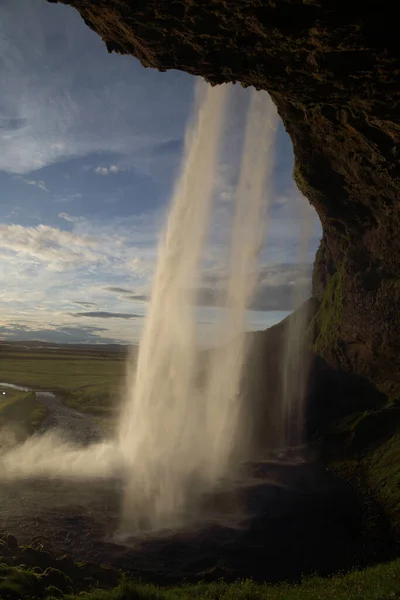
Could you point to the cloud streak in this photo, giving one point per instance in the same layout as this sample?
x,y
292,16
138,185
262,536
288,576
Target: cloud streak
x,y
56,335
37,183
84,304
57,248
118,290
67,217
100,314
113,169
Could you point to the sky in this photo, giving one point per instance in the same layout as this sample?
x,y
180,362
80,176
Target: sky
x,y
90,148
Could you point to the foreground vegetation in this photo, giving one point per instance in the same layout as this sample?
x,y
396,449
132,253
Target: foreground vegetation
x,y
22,583
366,454
41,572
382,468
377,583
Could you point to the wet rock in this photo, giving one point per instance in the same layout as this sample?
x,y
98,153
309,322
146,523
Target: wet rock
x,y
4,549
43,544
11,542
217,573
66,565
53,592
32,557
56,579
104,576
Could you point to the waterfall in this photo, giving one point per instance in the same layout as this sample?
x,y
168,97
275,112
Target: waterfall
x,y
178,437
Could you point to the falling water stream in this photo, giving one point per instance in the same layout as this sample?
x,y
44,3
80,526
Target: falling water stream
x,y
176,436
179,437
295,360
160,434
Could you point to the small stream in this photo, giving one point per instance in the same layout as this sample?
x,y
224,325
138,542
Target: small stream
x,y
75,426
15,387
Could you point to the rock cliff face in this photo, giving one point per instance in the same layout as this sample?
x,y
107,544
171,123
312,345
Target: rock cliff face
x,y
333,70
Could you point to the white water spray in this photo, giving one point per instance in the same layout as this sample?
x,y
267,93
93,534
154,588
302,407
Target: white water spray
x,y
227,437
177,437
160,434
295,359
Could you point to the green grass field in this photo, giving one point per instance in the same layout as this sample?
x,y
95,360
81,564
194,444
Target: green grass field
x,y
90,382
20,411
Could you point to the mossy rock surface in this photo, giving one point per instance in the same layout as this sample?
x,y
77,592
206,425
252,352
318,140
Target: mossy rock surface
x,y
40,571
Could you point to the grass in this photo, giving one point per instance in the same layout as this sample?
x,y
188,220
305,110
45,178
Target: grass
x,y
21,411
68,373
18,583
381,582
101,400
88,382
375,583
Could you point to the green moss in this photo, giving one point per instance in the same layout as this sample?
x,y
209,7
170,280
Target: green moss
x,y
327,321
382,473
38,572
17,583
363,450
300,180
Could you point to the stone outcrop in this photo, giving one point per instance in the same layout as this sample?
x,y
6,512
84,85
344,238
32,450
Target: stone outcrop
x,y
332,68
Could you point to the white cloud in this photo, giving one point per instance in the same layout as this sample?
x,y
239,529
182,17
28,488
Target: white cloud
x,y
107,170
56,248
123,248
101,171
67,217
46,267
67,198
72,98
38,183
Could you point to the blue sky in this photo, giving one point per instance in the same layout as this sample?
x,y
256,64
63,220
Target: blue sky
x,y
91,143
